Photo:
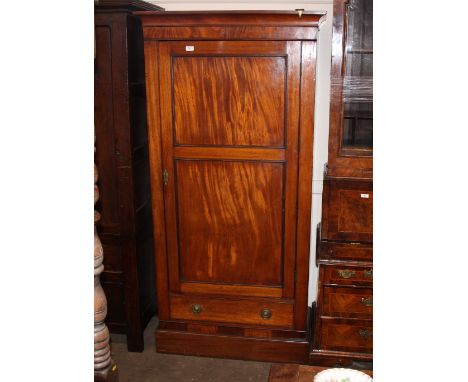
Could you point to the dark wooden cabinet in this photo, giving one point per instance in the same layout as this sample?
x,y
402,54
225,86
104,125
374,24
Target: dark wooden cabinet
x,y
230,118
343,313
125,227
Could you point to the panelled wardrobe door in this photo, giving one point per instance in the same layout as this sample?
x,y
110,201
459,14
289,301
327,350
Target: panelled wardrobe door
x,y
230,117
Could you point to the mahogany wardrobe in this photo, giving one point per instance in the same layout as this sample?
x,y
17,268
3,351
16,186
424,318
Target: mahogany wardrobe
x,y
230,108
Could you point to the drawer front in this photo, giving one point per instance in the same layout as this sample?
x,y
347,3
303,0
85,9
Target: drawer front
x,y
348,275
347,302
345,251
349,211
234,311
346,335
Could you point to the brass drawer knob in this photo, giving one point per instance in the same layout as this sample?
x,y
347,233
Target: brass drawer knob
x,y
367,301
365,333
368,274
346,273
196,308
266,313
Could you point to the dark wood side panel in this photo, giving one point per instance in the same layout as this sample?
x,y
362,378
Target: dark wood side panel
x,y
238,105
104,122
230,221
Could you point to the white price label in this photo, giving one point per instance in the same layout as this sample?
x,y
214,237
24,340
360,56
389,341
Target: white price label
x,y
365,196
189,48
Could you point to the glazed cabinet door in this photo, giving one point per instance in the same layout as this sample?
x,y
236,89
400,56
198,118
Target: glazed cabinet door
x,y
229,123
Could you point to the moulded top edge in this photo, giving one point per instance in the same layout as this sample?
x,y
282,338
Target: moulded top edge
x,y
278,18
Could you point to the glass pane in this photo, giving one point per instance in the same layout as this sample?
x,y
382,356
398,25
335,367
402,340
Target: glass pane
x,y
357,83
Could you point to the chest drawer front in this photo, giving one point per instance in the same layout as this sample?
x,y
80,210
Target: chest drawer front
x,y
347,302
348,211
348,275
346,251
347,335
236,311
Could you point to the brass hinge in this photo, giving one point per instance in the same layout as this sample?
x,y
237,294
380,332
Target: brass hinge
x,y
165,177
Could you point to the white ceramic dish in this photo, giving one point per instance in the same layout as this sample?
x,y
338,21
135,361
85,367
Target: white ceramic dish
x,y
342,375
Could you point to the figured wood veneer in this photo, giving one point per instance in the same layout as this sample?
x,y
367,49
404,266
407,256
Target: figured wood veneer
x,y
220,204
241,311
347,302
229,100
346,335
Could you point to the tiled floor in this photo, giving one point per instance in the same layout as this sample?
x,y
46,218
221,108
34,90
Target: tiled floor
x,y
150,366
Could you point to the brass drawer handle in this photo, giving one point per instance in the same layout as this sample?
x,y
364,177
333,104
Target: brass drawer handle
x,y
367,301
346,273
368,274
266,313
365,333
196,308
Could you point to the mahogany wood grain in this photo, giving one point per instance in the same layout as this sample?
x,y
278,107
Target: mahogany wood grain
x,y
231,33
226,346
297,373
222,203
346,335
234,330
240,183
348,210
246,19
237,106
347,302
245,311
230,153
230,290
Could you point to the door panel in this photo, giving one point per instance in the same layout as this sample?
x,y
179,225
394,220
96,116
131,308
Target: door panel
x,y
229,100
229,120
230,221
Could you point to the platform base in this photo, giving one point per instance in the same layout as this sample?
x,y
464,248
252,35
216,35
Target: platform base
x,y
235,347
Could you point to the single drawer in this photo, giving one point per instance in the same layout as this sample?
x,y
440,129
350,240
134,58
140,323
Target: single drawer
x,y
237,311
347,210
347,302
345,251
346,335
347,275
